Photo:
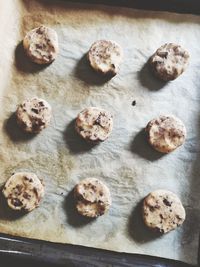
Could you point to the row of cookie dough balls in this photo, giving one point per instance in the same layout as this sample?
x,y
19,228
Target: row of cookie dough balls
x,y
162,209
105,56
93,124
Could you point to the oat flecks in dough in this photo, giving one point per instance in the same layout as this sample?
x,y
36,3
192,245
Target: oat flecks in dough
x,y
163,211
23,191
105,57
33,115
94,124
166,133
169,61
92,197
41,45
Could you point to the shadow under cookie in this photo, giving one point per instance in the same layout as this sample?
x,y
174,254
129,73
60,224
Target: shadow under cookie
x,y
137,229
6,213
141,147
84,72
148,79
74,142
13,130
73,217
23,63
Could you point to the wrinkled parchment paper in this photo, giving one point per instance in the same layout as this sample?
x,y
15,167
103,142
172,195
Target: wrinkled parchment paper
x,y
125,162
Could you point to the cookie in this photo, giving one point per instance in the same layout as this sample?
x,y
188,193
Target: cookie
x,y
92,197
23,191
166,133
163,211
105,57
41,45
94,124
33,115
169,61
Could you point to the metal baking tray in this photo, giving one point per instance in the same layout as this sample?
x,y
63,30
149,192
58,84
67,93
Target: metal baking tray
x,y
28,252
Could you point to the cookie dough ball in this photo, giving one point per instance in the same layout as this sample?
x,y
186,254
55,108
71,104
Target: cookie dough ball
x,y
94,124
105,57
41,45
23,191
92,197
169,61
163,211
33,115
166,133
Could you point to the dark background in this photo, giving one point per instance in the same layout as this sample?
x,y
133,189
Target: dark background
x,y
77,256
180,6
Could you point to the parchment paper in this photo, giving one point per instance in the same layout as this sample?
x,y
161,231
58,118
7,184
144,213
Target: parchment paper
x,y
125,162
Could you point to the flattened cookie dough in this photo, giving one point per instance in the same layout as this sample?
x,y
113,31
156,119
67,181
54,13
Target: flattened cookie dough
x,y
169,61
41,45
166,133
94,124
163,211
105,57
92,197
23,191
33,115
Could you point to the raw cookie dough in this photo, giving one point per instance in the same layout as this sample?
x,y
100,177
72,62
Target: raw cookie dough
x,y
94,124
23,191
33,115
166,133
41,45
163,211
105,57
169,61
92,197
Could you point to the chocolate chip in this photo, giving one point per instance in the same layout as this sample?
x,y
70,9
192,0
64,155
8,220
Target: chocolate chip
x,y
26,195
167,202
39,30
134,103
18,188
163,54
28,179
152,208
16,202
35,110
93,188
98,120
159,230
41,104
178,217
38,46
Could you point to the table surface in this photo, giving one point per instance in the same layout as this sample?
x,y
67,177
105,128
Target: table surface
x,y
25,253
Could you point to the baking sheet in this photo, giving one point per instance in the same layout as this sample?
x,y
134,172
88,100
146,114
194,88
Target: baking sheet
x,y
125,162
